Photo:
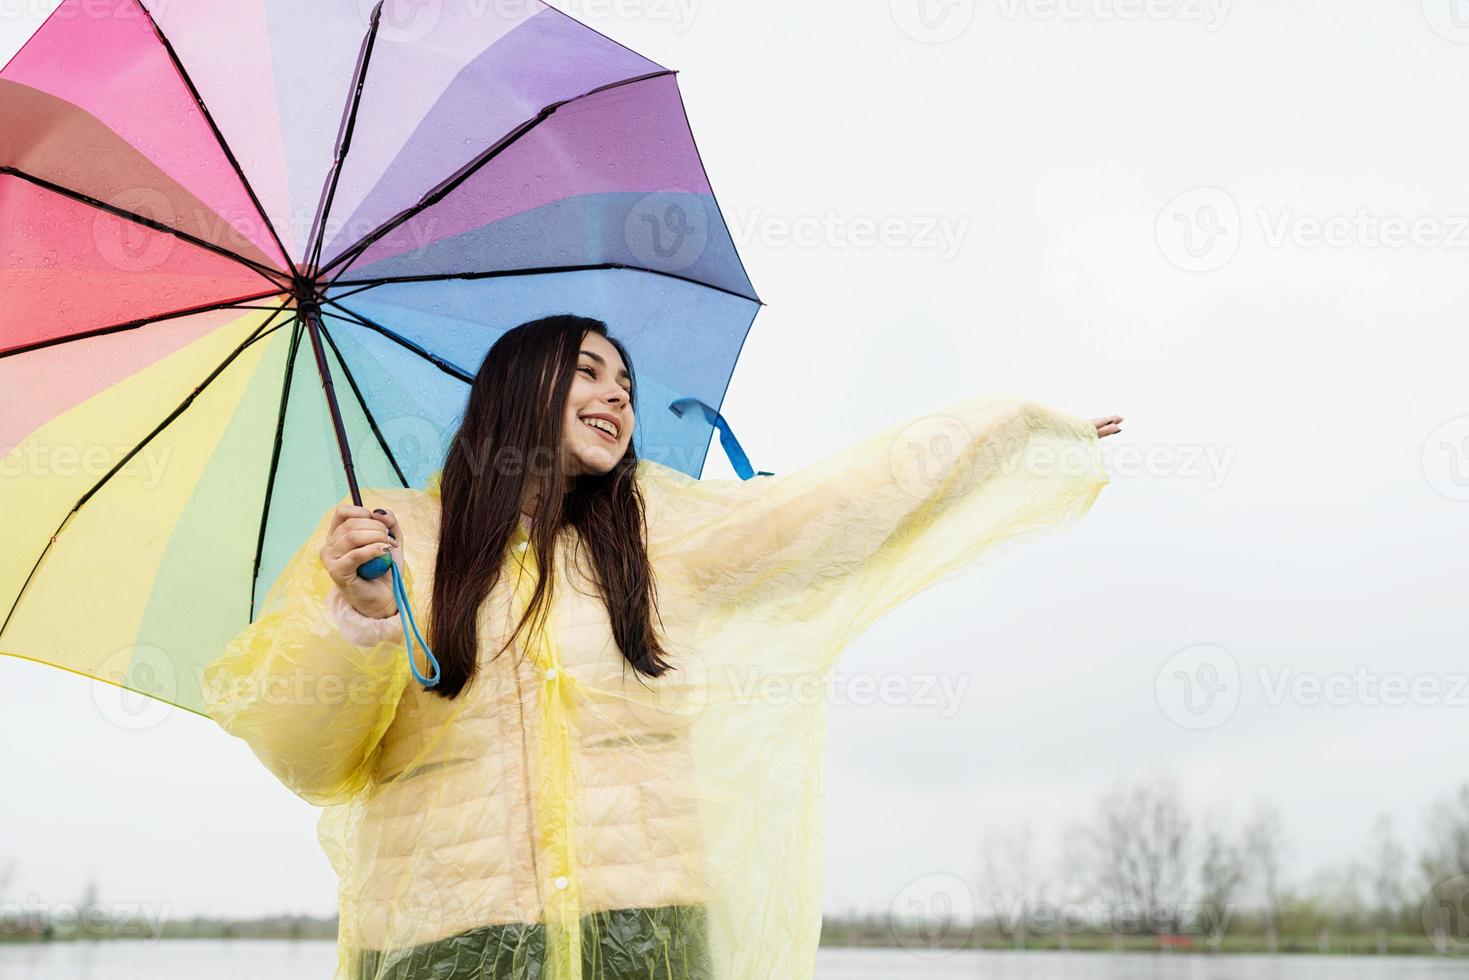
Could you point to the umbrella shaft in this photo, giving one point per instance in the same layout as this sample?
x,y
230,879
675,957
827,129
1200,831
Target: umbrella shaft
x,y
312,316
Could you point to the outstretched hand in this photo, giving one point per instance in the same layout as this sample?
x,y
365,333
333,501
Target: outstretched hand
x,y
1110,425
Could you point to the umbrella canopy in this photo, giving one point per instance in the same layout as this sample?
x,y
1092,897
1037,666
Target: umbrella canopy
x,y
243,243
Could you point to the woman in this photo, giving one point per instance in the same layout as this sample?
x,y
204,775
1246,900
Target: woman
x,y
617,774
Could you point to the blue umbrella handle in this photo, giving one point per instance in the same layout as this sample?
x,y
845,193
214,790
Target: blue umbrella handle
x,y
732,447
376,568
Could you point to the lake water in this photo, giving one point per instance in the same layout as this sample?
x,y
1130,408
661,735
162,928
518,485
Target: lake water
x,y
185,959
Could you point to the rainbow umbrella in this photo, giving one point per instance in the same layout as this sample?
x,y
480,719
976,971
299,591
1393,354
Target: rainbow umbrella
x,y
252,253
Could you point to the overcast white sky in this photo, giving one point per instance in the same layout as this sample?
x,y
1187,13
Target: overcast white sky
x,y
1135,195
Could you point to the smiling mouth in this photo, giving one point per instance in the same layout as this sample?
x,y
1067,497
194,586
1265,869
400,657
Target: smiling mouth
x,y
601,432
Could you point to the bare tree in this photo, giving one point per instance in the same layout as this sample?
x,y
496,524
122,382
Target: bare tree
x,y
1222,873
1446,853
1138,852
1445,868
1265,846
1010,878
1387,864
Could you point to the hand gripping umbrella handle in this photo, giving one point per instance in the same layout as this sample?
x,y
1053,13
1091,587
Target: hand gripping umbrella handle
x,y
375,569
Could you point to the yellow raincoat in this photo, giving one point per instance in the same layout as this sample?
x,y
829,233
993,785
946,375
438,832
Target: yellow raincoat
x,y
566,817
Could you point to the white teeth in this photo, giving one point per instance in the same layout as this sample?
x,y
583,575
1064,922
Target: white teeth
x,y
602,424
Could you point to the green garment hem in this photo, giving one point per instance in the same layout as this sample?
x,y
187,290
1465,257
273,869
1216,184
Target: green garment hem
x,y
664,943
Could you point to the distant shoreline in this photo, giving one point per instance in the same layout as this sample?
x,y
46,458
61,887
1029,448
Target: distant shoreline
x,y
836,934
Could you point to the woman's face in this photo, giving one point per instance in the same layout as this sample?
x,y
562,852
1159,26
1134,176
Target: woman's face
x,y
599,417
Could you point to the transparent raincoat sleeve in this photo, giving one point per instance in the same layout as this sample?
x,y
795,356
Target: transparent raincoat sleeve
x,y
311,703
832,547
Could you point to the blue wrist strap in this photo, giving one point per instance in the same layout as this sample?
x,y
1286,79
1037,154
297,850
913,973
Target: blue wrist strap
x,y
401,595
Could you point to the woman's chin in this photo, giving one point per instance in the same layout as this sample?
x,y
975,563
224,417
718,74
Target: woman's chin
x,y
599,462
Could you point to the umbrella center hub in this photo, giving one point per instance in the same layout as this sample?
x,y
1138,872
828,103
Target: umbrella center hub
x,y
305,293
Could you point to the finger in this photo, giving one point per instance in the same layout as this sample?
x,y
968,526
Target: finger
x,y
362,524
377,534
346,512
347,541
360,538
369,552
390,519
358,557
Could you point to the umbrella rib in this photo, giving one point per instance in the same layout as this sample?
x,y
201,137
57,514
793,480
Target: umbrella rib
x,y
145,321
359,289
547,270
712,196
258,333
273,275
447,367
362,403
275,455
443,189
344,140
224,146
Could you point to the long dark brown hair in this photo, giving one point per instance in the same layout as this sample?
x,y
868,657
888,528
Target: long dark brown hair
x,y
511,438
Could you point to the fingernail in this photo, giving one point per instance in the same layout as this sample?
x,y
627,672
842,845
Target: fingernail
x,y
379,511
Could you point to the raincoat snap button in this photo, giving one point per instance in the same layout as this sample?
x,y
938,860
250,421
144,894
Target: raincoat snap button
x,y
550,673
561,883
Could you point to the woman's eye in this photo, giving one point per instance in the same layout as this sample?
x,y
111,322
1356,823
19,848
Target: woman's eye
x,y
593,372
